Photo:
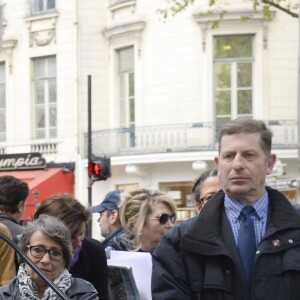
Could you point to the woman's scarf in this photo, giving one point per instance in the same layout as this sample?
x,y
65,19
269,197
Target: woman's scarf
x,y
76,256
29,289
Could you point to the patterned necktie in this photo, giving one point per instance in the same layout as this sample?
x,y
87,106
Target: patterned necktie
x,y
247,242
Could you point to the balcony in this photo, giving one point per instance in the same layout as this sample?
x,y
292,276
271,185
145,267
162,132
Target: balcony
x,y
177,138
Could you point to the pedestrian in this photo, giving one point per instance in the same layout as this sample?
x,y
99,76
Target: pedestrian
x,y
13,195
146,214
89,260
245,244
7,258
205,186
109,219
47,242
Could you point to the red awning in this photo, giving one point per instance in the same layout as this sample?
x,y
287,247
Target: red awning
x,y
43,184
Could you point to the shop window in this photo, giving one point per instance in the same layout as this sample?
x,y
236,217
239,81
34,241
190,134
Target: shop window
x,y
181,192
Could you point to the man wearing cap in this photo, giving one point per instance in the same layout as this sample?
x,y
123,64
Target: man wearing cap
x,y
109,220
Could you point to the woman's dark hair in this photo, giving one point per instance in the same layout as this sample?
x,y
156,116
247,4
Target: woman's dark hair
x,y
199,182
67,209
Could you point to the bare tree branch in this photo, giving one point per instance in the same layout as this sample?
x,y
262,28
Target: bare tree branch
x,y
271,3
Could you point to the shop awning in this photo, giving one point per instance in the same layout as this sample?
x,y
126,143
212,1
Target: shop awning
x,y
43,184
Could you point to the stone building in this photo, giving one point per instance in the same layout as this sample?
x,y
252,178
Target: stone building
x,y
161,88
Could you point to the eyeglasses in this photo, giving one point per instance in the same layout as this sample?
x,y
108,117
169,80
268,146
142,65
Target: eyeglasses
x,y
39,252
164,218
205,198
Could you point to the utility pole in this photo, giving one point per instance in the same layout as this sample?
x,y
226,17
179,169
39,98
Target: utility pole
x,y
89,146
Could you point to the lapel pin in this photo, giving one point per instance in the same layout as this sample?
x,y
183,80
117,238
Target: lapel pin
x,y
276,243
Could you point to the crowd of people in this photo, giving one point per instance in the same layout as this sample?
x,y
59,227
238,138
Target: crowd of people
x,y
244,242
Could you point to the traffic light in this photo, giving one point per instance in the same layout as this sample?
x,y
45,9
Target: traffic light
x,y
99,168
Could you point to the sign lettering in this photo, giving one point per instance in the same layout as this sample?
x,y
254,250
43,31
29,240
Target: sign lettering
x,y
22,161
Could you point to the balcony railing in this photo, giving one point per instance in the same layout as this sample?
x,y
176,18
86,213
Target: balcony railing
x,y
177,138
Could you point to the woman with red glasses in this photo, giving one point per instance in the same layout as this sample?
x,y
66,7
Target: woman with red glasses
x,y
145,215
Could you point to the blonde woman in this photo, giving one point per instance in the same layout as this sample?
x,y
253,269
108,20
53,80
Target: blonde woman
x,y
145,215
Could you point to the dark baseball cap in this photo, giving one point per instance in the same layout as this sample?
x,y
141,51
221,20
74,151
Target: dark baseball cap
x,y
110,202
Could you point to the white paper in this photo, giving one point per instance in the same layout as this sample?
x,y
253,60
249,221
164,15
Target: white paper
x,y
141,264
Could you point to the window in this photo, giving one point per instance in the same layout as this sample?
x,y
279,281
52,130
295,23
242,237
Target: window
x,y
2,104
233,82
126,93
44,83
181,193
127,187
42,6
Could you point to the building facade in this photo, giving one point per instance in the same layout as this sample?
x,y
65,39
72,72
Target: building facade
x,y
160,89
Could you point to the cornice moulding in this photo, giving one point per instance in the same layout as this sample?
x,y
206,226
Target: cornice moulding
x,y
125,28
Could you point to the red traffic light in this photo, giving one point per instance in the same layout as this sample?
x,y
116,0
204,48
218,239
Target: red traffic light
x,y
99,168
94,169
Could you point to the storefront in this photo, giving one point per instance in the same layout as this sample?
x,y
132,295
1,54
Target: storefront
x,y
43,179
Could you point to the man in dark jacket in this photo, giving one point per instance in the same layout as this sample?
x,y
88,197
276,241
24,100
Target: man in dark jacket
x,y
109,220
13,195
202,258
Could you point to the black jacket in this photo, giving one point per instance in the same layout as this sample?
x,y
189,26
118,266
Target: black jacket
x,y
199,259
92,266
14,227
109,240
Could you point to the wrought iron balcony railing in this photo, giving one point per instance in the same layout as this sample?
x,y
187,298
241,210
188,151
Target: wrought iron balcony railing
x,y
177,138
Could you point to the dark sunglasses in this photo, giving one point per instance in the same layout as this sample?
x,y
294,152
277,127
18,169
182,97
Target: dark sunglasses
x,y
164,218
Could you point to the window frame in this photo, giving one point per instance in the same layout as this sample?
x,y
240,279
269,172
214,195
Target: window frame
x,y
125,76
3,110
234,89
125,101
44,10
47,105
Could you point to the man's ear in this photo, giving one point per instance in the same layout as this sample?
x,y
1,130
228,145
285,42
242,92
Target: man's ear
x,y
114,216
21,206
216,159
270,163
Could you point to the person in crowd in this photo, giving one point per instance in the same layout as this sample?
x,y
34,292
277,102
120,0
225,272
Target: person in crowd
x,y
13,194
109,220
245,244
145,215
7,258
47,242
89,260
205,186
